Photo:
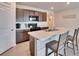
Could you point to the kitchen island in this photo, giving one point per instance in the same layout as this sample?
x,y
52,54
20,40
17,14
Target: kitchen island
x,y
38,40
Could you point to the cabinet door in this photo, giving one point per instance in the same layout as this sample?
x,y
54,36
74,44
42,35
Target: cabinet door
x,y
26,15
25,36
19,15
36,13
31,13
44,15
40,16
21,35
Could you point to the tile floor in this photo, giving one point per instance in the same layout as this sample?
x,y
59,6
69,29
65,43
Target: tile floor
x,y
22,49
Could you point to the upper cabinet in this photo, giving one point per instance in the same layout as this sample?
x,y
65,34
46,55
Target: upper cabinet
x,y
22,15
19,15
36,13
44,16
26,15
40,16
31,13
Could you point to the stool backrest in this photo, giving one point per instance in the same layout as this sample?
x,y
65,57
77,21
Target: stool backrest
x,y
75,34
62,40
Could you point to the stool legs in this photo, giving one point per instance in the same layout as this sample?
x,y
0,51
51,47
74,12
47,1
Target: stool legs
x,y
46,51
73,48
77,44
64,50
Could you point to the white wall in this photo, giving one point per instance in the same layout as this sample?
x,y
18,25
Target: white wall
x,y
70,23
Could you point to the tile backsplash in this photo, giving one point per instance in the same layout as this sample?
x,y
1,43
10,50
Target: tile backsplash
x,y
39,24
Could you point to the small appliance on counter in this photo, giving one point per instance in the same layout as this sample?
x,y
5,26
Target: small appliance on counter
x,y
18,25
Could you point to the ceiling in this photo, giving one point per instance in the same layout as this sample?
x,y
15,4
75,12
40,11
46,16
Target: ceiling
x,y
58,6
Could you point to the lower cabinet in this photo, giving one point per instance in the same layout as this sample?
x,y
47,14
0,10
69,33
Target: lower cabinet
x,y
21,35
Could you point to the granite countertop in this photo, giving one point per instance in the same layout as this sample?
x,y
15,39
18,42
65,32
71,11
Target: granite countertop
x,y
28,29
23,29
44,34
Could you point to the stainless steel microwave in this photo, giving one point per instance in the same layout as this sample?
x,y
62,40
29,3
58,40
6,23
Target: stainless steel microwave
x,y
33,18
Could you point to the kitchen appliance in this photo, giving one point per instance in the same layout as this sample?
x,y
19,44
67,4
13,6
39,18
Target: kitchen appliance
x,y
33,18
18,25
35,29
32,25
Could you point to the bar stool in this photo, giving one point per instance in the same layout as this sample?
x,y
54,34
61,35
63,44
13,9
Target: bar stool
x,y
73,40
56,46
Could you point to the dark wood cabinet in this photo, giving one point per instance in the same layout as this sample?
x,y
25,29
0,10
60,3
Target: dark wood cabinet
x,y
26,12
44,16
21,35
36,13
40,16
19,15
19,12
26,15
22,15
25,35
31,13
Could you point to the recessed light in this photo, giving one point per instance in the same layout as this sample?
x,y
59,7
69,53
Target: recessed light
x,y
68,3
52,8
